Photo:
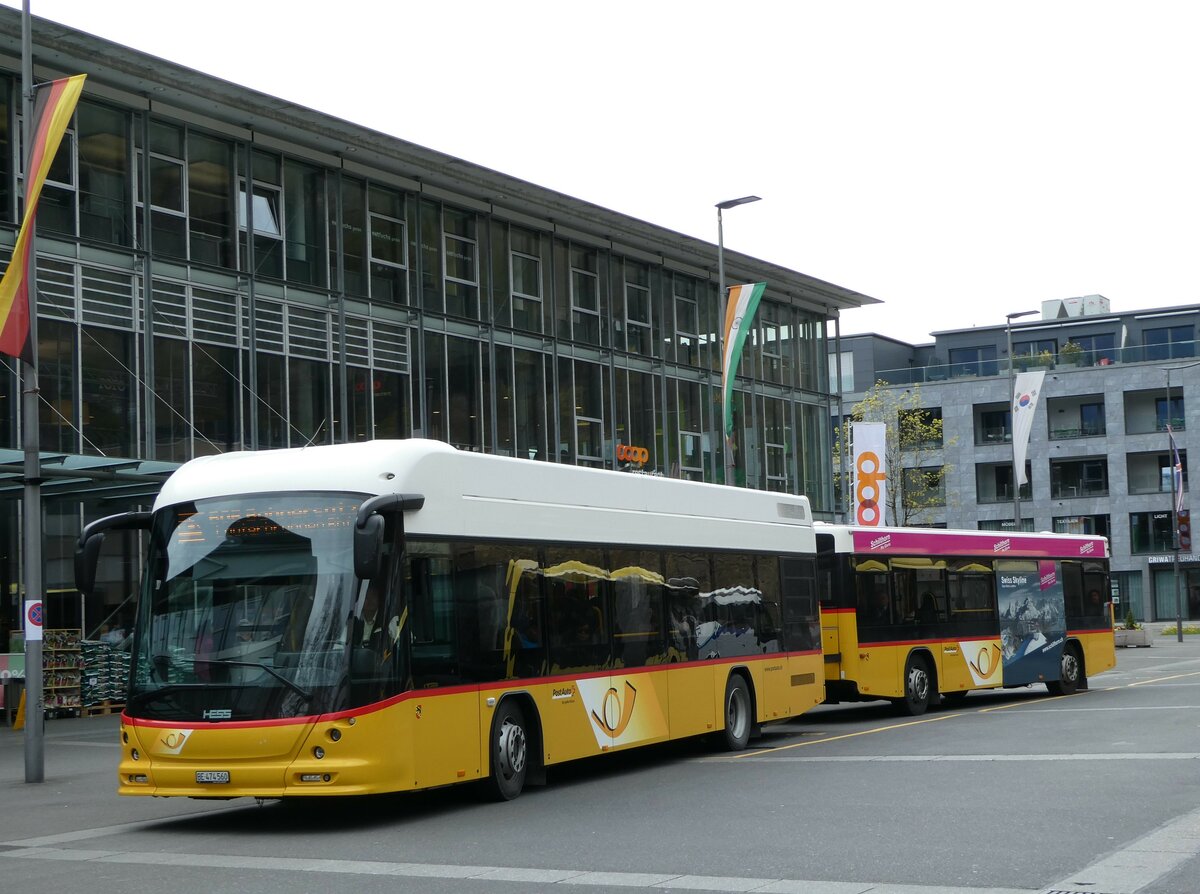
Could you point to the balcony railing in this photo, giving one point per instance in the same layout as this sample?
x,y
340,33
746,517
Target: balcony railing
x,y
940,372
1068,490
1086,431
999,435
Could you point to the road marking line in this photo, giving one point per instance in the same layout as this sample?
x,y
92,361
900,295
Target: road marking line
x,y
865,732
105,831
658,881
1162,679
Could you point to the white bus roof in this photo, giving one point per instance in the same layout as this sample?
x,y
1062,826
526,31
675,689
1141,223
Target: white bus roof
x,y
484,496
886,540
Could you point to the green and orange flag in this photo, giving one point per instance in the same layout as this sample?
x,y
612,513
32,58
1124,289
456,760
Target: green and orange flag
x,y
740,304
52,110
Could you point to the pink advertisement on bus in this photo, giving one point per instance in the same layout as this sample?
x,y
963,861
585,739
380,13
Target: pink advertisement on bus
x,y
933,542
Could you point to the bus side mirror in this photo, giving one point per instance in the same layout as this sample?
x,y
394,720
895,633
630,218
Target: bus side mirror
x,y
368,546
87,555
91,539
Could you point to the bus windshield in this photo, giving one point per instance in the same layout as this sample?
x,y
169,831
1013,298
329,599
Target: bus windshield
x,y
246,611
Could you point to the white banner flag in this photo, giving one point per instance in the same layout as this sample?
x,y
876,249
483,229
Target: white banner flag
x,y
870,472
1024,404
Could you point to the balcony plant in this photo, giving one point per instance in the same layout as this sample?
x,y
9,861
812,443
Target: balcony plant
x,y
1070,354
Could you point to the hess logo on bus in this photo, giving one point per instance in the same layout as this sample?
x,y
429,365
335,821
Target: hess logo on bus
x,y
627,453
866,488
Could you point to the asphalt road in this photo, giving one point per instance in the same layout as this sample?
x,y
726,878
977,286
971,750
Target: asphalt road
x,y
1010,793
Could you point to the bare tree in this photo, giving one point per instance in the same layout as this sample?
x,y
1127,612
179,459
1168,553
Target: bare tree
x,y
912,452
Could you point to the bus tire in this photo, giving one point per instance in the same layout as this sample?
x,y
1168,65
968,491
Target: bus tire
x,y
509,752
738,719
918,687
1070,673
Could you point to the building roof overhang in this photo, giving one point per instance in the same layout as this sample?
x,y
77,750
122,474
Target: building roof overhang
x,y
147,82
94,477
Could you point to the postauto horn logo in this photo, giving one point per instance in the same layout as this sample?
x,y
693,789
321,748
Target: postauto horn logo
x,y
619,713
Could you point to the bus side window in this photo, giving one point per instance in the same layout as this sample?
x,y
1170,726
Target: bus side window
x,y
420,601
771,633
801,619
874,599
1096,593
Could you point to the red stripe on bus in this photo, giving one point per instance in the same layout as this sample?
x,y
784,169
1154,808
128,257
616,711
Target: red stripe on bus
x,y
504,686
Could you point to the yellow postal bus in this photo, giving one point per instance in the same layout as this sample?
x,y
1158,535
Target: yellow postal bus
x,y
918,615
398,615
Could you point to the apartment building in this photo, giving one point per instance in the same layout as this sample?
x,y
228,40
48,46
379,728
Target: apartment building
x,y
1098,456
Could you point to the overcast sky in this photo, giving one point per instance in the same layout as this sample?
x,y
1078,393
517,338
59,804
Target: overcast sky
x,y
956,160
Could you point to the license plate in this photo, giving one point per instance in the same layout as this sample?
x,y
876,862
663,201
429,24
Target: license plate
x,y
219,776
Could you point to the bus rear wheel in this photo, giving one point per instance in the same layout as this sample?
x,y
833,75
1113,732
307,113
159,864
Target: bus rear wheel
x,y
1070,673
737,713
918,687
509,752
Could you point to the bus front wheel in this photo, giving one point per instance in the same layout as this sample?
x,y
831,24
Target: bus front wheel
x,y
737,713
510,752
918,687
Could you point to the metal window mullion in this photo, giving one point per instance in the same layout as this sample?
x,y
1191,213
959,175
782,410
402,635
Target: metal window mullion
x,y
149,409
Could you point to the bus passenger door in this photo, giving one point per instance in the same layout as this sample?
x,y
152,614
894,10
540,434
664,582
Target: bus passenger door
x,y
443,727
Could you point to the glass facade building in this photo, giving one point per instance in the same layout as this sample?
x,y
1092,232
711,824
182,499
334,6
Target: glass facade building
x,y
239,274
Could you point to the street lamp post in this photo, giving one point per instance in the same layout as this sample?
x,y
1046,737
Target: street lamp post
x,y
1012,415
1175,505
724,206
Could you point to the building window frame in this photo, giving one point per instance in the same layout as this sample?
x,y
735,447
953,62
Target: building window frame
x,y
584,279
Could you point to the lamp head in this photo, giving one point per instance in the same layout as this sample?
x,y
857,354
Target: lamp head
x,y
733,203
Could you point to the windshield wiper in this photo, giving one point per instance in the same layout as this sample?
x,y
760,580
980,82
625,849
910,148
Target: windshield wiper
x,y
230,662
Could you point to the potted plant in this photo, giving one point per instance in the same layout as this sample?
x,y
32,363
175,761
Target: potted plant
x,y
1131,633
1070,354
1046,359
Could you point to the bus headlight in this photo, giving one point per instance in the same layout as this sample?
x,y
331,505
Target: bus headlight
x,y
318,752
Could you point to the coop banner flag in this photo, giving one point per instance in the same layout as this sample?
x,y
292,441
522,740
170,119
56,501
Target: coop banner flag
x,y
740,305
1024,404
52,110
870,472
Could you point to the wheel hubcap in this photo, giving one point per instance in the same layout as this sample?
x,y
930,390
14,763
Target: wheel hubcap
x,y
918,684
1070,667
511,749
736,715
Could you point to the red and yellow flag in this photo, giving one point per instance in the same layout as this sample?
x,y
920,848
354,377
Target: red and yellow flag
x,y
52,110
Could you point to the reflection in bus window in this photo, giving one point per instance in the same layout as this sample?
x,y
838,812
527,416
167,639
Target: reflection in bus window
x,y
524,642
576,585
735,620
687,576
637,594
